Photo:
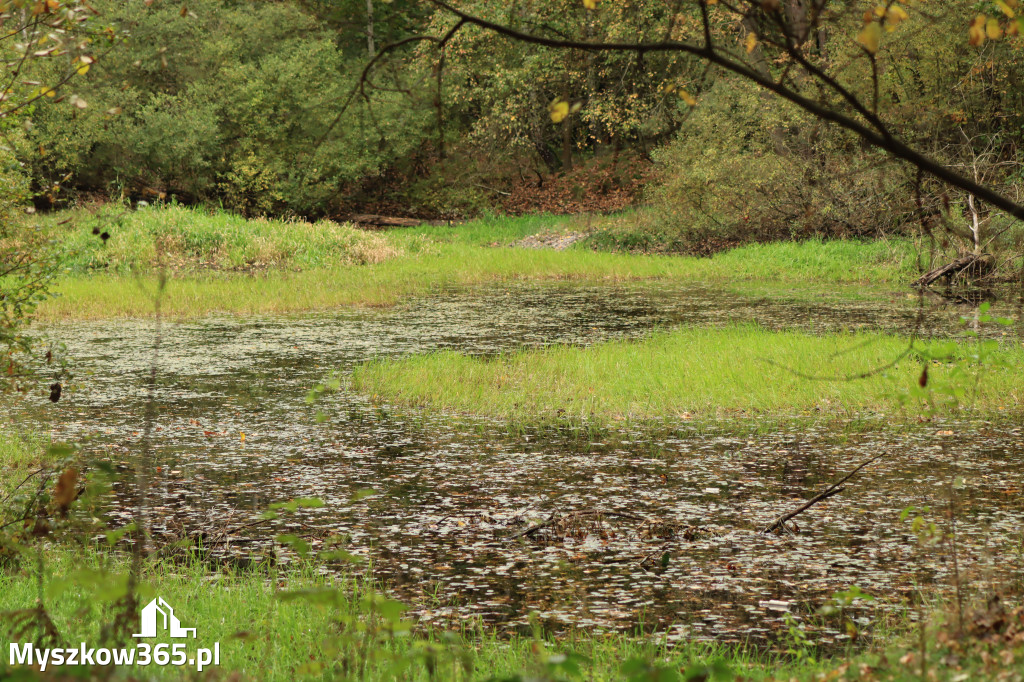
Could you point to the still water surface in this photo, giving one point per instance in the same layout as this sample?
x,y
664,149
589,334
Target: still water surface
x,y
677,548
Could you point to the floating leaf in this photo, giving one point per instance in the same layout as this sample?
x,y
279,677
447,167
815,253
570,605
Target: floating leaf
x,y
751,42
687,97
590,4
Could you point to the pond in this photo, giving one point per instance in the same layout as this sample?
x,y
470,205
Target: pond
x,y
656,530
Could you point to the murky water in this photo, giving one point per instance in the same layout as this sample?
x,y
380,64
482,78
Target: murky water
x,y
676,546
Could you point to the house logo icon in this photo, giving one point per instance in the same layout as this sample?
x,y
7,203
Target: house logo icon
x,y
160,612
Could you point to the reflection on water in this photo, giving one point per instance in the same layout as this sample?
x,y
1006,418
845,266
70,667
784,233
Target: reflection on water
x,y
677,547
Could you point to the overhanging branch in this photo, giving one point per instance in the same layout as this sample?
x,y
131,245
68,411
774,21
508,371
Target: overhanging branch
x,y
881,140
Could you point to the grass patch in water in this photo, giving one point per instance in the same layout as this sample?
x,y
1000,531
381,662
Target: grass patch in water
x,y
702,374
223,263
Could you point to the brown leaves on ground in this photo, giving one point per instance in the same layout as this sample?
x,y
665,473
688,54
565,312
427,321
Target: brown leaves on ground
x,y
602,185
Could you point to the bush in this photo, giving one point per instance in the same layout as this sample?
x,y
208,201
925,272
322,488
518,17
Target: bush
x,y
190,239
239,104
749,168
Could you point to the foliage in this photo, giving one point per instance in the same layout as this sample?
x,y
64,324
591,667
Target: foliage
x,y
503,92
778,174
182,239
249,104
47,47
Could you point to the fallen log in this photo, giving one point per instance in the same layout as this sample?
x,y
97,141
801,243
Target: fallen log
x,y
833,489
975,265
366,220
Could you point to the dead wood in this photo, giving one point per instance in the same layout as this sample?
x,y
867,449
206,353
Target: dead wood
x,y
368,221
552,521
975,265
833,489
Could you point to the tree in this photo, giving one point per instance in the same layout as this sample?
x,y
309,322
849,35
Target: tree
x,y
788,49
44,47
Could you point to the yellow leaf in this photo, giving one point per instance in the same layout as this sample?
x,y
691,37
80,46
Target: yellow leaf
x,y
558,109
894,16
880,11
1007,10
49,92
751,42
871,37
82,70
687,97
976,33
993,30
590,4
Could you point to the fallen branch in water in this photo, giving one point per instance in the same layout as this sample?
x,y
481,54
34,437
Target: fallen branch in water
x,y
553,521
833,489
974,264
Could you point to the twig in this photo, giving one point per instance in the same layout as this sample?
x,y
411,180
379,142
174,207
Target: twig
x,y
833,489
591,512
23,482
496,191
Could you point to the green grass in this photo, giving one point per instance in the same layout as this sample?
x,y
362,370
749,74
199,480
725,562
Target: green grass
x,y
699,374
20,455
222,263
299,625
187,240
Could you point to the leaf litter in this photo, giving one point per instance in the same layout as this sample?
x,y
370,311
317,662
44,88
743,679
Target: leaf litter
x,y
636,529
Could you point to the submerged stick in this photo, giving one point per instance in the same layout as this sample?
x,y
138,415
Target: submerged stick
x,y
833,489
587,512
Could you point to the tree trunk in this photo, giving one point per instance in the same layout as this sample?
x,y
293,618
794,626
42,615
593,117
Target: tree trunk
x,y
370,47
796,13
567,143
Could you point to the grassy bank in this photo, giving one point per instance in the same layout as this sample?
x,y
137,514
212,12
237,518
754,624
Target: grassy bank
x,y
286,626
20,454
704,374
222,263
